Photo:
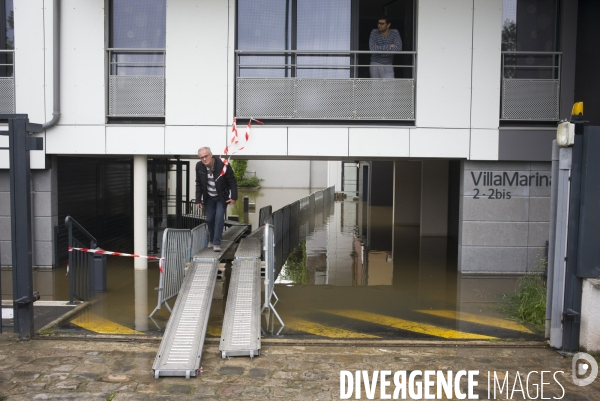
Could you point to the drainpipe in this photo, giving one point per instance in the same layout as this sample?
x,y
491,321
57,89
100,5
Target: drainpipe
x,y
55,65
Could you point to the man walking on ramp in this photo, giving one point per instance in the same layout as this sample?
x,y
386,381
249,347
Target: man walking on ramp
x,y
216,187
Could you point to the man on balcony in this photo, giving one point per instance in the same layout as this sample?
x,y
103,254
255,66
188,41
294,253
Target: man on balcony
x,y
215,188
384,39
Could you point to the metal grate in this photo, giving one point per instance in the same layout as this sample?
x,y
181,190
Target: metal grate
x,y
136,96
529,99
7,95
347,99
324,98
391,99
271,98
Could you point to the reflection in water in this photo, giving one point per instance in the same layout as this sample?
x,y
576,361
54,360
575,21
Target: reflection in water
x,y
346,265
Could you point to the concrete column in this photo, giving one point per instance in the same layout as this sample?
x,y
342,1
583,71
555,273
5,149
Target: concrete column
x,y
434,198
140,210
407,193
141,299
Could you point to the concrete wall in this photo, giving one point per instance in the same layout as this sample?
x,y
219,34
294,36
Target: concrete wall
x,y
290,173
44,201
503,226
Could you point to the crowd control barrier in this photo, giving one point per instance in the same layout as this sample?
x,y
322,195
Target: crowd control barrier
x,y
176,252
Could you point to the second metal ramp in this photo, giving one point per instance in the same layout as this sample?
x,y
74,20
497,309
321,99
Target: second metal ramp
x,y
241,324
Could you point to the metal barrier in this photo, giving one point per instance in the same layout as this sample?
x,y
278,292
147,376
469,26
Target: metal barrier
x,y
530,85
263,214
176,252
269,250
310,84
136,82
81,264
7,81
199,239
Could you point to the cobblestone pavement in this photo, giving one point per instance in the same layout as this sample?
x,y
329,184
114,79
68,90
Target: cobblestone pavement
x,y
121,370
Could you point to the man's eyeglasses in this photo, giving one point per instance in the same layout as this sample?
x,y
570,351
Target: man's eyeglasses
x,y
204,157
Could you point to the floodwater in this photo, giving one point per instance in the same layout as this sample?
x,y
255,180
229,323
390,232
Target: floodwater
x,y
353,275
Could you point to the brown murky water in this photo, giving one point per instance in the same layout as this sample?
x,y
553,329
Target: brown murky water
x,y
354,275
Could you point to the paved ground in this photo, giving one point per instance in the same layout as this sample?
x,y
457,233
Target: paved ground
x,y
109,369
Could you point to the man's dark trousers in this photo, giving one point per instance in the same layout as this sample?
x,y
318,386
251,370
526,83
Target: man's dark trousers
x,y
215,218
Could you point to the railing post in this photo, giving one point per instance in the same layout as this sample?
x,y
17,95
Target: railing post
x,y
70,263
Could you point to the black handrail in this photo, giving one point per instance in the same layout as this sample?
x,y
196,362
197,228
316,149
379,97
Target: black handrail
x,y
81,275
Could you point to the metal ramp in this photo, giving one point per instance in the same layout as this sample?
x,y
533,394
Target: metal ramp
x,y
181,347
241,325
180,350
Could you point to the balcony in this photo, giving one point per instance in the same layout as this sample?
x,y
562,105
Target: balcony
x,y
530,86
7,82
136,83
316,85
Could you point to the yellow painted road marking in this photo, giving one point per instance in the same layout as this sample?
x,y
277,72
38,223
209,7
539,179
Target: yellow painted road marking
x,y
214,331
322,330
473,318
407,325
100,325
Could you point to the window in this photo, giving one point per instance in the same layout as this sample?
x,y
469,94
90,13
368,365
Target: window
x,y
137,42
7,45
530,60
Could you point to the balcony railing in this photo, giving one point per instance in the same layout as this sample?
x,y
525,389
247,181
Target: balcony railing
x,y
136,83
296,84
530,85
7,81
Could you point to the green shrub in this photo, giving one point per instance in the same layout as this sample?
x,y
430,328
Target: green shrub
x,y
248,182
528,305
239,168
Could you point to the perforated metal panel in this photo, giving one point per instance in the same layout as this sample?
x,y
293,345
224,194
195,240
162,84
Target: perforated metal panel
x,y
7,95
136,96
346,99
324,98
267,98
529,99
391,99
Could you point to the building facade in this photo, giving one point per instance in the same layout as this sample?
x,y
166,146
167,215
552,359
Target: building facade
x,y
459,142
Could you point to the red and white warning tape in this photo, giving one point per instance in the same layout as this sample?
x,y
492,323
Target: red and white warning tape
x,y
235,141
128,255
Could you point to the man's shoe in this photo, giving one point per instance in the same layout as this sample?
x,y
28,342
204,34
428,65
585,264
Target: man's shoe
x,y
217,248
210,245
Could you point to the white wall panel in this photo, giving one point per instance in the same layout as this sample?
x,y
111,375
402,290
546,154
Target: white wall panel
x,y
263,141
76,139
334,174
282,173
444,38
318,141
487,40
187,140
196,72
427,142
29,53
82,63
484,144
135,140
379,142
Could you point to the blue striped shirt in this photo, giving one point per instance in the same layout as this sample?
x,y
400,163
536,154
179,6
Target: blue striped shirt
x,y
379,43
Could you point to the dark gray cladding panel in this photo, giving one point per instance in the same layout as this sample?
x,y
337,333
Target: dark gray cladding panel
x,y
526,145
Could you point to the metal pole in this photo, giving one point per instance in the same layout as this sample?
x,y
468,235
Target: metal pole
x,y
573,284
246,204
552,236
21,228
560,248
178,194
